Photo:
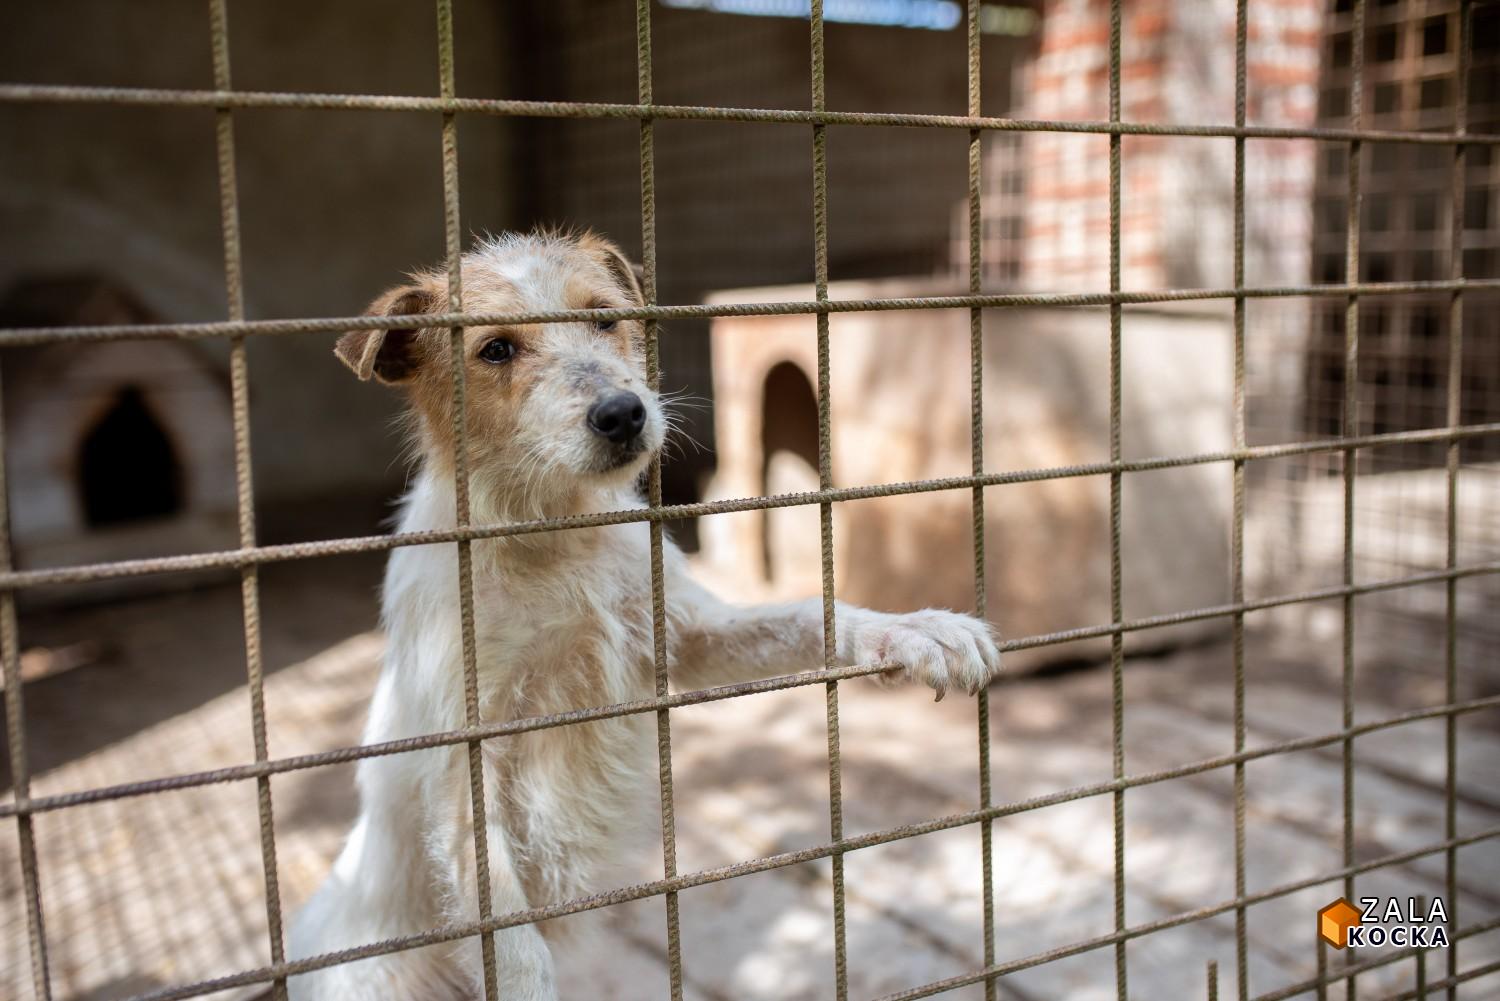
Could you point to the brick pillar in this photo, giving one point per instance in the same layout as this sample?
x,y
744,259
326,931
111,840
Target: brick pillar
x,y
1177,66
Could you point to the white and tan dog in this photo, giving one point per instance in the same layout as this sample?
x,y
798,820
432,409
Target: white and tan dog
x,y
560,422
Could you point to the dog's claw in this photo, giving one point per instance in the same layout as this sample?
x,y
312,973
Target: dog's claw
x,y
941,691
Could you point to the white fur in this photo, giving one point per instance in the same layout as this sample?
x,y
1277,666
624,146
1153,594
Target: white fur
x,y
563,621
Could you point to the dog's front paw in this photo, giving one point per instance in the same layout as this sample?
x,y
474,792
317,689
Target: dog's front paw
x,y
941,649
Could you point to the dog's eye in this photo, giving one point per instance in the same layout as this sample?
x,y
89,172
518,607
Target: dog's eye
x,y
603,325
498,351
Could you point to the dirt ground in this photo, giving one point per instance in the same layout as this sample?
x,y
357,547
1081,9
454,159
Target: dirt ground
x,y
146,892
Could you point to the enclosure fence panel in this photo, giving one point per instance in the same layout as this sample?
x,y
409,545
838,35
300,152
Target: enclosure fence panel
x,y
452,109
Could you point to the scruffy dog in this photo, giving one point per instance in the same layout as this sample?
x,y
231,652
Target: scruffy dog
x,y
561,422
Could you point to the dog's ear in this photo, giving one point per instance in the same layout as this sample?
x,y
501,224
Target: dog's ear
x,y
627,276
388,355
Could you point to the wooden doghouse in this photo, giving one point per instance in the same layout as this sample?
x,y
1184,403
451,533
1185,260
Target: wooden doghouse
x,y
900,411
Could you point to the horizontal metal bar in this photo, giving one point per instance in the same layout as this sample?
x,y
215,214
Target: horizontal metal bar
x,y
470,929
16,337
1458,978
490,731
233,558
1257,605
1386,959
28,93
1065,952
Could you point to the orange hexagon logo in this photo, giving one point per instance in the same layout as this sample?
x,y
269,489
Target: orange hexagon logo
x,y
1335,920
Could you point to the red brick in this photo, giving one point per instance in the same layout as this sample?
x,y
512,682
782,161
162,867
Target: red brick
x,y
1138,69
1267,75
1148,25
1070,192
1096,37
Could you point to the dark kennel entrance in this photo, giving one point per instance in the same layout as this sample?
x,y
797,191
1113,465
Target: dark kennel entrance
x,y
127,467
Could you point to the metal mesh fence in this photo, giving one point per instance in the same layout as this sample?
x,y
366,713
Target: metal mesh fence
x,y
1341,443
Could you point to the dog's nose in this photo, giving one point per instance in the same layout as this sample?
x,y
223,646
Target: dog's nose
x,y
618,418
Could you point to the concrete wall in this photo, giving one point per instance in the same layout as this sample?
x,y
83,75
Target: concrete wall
x,y
334,205
734,200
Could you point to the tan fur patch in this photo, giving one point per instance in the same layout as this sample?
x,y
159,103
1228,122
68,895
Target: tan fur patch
x,y
596,276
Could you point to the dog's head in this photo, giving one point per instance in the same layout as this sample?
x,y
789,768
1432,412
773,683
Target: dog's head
x,y
550,406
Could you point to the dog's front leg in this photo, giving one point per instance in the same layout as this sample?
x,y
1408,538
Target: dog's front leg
x,y
715,643
523,961
381,887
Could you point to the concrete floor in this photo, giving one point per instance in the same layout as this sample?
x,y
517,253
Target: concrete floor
x,y
145,892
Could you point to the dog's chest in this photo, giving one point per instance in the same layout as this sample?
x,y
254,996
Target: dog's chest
x,y
572,638
561,793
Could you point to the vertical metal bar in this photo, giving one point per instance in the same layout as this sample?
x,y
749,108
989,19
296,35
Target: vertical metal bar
x,y
658,578
976,460
1213,980
1454,413
1237,532
454,245
15,734
239,381
1116,604
1351,428
825,509
1421,954
1322,969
